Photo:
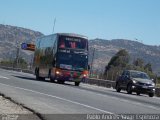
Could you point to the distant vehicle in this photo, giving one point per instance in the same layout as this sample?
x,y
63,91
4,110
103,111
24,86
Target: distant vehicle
x,y
135,81
62,57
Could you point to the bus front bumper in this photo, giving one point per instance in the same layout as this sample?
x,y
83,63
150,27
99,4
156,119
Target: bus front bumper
x,y
70,79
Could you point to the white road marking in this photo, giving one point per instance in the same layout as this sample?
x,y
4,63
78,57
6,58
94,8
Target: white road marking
x,y
63,99
111,89
4,77
123,100
158,98
87,86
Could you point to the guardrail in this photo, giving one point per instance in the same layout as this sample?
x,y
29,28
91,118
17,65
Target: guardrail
x,y
157,92
100,82
17,69
110,84
91,81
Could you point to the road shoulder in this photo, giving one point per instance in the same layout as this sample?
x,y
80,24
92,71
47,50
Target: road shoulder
x,y
9,109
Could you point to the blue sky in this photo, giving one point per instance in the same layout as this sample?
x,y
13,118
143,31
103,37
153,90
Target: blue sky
x,y
105,19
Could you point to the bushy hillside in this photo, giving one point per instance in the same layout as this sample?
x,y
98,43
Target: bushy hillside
x,y
11,36
105,49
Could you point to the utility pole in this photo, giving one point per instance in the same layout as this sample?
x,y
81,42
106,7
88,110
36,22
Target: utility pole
x,y
54,25
91,72
17,53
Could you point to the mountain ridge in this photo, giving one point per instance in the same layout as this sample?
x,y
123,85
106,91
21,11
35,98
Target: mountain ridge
x,y
13,36
107,48
103,49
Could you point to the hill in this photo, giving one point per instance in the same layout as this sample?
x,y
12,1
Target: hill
x,y
11,36
105,49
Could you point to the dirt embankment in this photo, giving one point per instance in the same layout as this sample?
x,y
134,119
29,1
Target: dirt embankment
x,y
10,110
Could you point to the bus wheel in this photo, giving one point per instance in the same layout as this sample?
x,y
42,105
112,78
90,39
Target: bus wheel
x,y
77,83
60,81
37,74
42,78
38,77
52,79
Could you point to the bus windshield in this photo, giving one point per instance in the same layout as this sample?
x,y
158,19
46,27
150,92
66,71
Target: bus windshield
x,y
72,61
72,42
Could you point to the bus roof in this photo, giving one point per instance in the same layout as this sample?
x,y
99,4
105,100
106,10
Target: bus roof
x,y
64,34
72,35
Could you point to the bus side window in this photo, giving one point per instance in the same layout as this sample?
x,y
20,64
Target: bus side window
x,y
84,45
62,44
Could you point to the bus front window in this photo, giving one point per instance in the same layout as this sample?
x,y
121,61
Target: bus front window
x,y
73,43
62,44
74,61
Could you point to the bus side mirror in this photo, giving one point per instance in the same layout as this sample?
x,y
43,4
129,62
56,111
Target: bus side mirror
x,y
88,67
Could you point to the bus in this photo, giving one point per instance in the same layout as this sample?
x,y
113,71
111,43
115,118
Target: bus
x,y
61,57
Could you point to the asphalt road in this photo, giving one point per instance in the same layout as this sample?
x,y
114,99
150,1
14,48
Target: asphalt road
x,y
54,100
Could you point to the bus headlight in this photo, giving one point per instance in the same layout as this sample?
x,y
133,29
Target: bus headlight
x,y
84,75
57,72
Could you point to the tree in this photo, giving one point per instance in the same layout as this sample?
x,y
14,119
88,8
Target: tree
x,y
121,59
120,62
117,63
148,67
138,62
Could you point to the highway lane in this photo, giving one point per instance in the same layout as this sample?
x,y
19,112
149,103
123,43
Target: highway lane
x,y
52,98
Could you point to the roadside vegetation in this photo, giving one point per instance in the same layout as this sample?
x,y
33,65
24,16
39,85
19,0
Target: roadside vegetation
x,y
158,82
121,61
13,63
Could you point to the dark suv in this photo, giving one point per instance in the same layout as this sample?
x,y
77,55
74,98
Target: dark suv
x,y
135,81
